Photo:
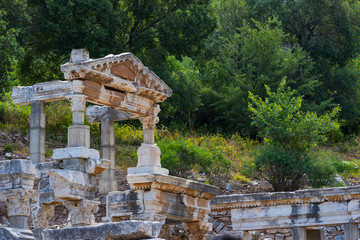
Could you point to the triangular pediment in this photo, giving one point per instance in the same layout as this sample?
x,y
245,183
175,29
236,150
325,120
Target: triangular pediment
x,y
123,72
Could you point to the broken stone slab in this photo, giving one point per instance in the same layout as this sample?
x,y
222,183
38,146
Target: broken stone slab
x,y
15,234
129,230
17,173
96,114
75,152
72,185
42,169
81,159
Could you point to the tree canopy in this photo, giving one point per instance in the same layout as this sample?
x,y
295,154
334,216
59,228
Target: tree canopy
x,y
211,52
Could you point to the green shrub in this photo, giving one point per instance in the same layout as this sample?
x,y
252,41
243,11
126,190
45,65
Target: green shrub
x,y
182,156
14,118
290,135
9,148
284,169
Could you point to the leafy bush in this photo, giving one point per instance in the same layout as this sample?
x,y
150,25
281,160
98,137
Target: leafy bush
x,y
182,156
14,118
291,134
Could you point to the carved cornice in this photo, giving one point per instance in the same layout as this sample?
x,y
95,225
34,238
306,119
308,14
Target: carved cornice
x,y
226,202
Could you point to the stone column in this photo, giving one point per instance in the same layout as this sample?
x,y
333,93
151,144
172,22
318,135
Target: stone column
x,y
299,233
107,181
37,132
149,152
78,133
351,231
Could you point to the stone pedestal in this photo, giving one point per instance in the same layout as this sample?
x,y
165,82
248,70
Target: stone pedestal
x,y
148,161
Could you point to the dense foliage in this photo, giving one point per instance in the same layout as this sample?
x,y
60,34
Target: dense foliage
x,y
212,53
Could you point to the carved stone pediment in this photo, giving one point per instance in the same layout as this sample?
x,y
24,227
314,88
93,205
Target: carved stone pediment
x,y
123,72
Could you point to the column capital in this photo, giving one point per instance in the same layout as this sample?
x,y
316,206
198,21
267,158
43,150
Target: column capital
x,y
149,122
19,201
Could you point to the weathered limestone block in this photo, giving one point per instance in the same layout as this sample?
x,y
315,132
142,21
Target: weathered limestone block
x,y
97,166
17,173
72,185
15,234
41,215
126,230
75,152
82,212
46,193
121,205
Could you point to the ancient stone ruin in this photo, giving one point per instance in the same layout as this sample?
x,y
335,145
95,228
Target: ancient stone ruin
x,y
120,87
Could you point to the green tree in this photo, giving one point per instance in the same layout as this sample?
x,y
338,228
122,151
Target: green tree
x,y
184,79
329,31
248,59
13,21
150,29
290,135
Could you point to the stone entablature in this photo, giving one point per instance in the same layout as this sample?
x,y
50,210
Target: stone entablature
x,y
227,202
297,210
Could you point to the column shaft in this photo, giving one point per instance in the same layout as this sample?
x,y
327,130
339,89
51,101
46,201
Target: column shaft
x,y
351,231
299,233
107,181
37,132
